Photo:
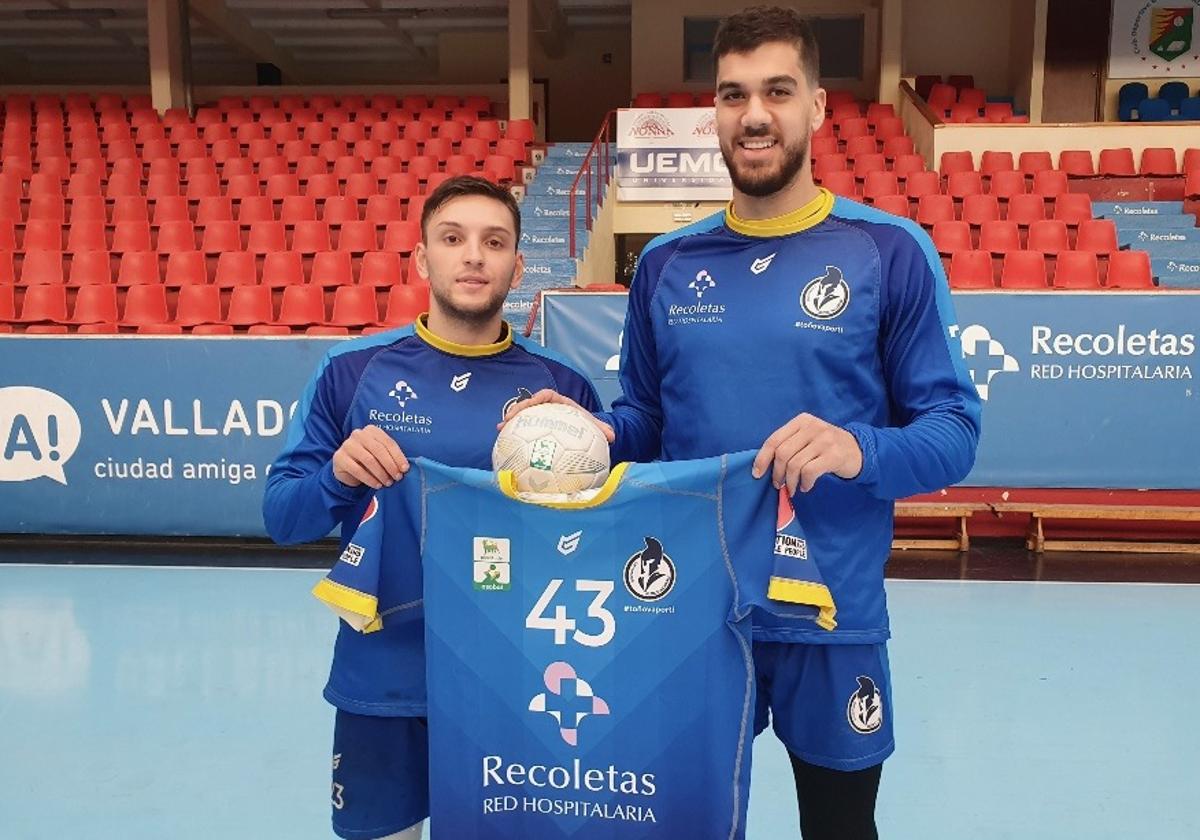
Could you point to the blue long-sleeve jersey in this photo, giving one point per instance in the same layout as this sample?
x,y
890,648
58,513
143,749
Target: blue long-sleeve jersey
x,y
436,399
735,327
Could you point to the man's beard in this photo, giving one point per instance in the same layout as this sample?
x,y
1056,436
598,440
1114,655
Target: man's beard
x,y
763,181
475,317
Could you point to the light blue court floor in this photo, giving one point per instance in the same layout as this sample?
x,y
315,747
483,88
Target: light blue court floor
x,y
184,704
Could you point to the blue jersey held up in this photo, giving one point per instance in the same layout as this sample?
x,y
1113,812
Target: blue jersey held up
x,y
590,666
436,399
837,310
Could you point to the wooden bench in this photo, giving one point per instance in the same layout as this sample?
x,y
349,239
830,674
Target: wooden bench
x,y
961,541
1039,513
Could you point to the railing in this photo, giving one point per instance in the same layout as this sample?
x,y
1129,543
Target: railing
x,y
596,169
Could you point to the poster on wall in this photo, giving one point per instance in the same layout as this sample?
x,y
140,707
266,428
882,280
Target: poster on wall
x,y
1155,40
670,154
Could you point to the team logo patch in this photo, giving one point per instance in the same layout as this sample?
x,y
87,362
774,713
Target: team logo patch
x,y
460,382
402,392
826,296
569,701
650,574
567,543
522,394
864,710
353,554
762,264
984,355
492,566
702,283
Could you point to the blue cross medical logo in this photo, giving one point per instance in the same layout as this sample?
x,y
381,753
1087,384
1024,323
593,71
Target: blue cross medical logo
x,y
569,700
985,356
702,283
402,393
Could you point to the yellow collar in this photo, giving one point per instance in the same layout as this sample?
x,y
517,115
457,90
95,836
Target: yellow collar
x,y
808,216
445,346
508,486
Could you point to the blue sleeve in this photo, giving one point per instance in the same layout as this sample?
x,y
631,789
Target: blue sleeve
x,y
636,415
351,588
935,409
303,501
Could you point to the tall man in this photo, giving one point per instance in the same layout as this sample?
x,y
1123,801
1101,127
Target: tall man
x,y
435,389
816,330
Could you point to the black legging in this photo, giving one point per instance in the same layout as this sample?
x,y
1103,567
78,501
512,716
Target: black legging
x,y
834,804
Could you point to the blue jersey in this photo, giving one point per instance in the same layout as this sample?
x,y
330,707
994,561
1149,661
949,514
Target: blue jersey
x,y
436,399
590,667
837,310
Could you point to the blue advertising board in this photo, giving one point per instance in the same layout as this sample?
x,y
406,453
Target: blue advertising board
x,y
1080,390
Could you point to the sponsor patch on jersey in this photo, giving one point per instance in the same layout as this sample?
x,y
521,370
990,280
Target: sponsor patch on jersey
x,y
567,543
827,296
787,545
459,383
761,264
492,567
353,554
650,573
864,710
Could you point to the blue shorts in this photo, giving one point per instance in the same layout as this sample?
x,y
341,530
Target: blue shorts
x,y
380,775
831,705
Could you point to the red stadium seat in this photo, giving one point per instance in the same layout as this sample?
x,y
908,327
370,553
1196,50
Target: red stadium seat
x,y
250,305
1006,184
1073,208
234,167
1158,161
520,130
310,166
186,268
1129,270
243,186
282,268
198,305
879,184
1023,270
1191,184
991,162
332,268
917,185
384,167
949,237
1049,236
44,302
997,111
298,208
361,185
310,237
897,205
870,162
266,237
501,166
932,209
50,208
401,237
8,309
130,236
95,304
43,235
302,306
1116,162
380,268
217,238
907,164
1050,183
1076,163
145,305
458,165
961,184
953,162
1026,209
345,165
960,113
1191,160
322,186
824,164
382,209
840,183
213,209
1076,270
999,237
405,303
977,209
339,210
90,268
1031,162
358,237
237,268
1097,236
138,268
924,84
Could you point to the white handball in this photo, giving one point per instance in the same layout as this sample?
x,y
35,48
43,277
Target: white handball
x,y
552,448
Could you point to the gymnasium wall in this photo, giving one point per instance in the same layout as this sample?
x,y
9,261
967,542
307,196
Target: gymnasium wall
x,y
966,36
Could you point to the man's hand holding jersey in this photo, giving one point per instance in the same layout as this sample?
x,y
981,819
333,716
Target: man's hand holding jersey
x,y
369,456
806,448
547,396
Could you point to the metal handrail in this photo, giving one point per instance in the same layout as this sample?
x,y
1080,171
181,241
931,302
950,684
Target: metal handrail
x,y
597,161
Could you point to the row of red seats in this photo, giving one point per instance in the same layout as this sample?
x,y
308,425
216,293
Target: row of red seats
x,y
14,138
246,306
261,237
924,83
1077,162
1048,236
876,179
934,204
1031,270
852,127
88,119
706,99
15,213
227,269
17,102
312,180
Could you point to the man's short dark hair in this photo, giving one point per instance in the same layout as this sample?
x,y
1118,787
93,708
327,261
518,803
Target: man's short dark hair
x,y
464,185
750,28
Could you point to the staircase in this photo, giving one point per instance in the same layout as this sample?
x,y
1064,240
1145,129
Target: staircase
x,y
1162,229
